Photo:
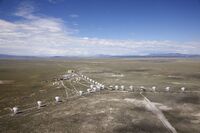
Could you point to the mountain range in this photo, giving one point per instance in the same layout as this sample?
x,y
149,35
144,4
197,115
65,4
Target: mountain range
x,y
166,55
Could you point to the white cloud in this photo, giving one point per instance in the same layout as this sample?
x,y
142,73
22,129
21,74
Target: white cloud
x,y
85,38
26,10
36,35
55,1
75,24
74,15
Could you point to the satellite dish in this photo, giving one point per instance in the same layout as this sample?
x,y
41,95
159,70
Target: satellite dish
x,y
102,86
94,89
88,90
91,86
182,89
116,87
39,103
58,99
80,93
15,110
167,88
154,88
122,87
131,87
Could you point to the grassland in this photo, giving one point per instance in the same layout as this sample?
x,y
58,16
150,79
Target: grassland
x,y
23,82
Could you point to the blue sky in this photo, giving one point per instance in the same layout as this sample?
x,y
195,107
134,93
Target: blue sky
x,y
93,27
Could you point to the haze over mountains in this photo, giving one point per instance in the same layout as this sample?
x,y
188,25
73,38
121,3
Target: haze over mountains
x,y
167,55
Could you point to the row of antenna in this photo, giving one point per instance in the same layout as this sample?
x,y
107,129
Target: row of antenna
x,y
15,109
94,87
142,88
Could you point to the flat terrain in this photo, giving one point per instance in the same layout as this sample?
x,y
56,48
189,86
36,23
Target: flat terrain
x,y
24,82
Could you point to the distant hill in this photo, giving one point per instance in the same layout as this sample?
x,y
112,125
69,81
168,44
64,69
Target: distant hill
x,y
175,55
5,56
167,55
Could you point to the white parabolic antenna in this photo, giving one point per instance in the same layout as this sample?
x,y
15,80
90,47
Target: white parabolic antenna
x,y
15,110
183,88
39,103
57,98
167,88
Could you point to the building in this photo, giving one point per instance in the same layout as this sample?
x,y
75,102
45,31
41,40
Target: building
x,y
70,71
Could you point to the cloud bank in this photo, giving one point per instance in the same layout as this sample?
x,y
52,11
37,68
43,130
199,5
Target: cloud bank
x,y
48,36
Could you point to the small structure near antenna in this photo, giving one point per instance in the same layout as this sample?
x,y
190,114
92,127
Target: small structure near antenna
x,y
111,87
98,87
70,71
58,99
142,88
65,77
